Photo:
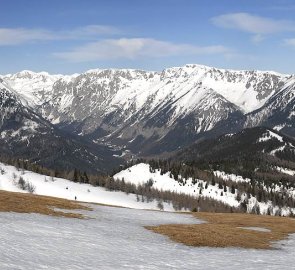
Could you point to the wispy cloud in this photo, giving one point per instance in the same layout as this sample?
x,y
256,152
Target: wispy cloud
x,y
257,38
131,48
253,24
89,31
290,42
17,36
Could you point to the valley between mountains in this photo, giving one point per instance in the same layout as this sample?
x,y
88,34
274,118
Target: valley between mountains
x,y
192,130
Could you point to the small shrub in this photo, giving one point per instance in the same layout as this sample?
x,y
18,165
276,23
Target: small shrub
x,y
25,185
160,205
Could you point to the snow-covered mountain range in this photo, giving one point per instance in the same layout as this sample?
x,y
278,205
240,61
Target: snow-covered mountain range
x,y
156,112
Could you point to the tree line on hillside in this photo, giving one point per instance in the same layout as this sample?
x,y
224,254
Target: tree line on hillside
x,y
261,188
263,185
264,182
144,193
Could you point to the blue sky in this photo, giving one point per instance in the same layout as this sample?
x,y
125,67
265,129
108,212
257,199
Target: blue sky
x,y
68,36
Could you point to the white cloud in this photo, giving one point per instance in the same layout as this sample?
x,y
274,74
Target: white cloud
x,y
131,48
253,24
16,36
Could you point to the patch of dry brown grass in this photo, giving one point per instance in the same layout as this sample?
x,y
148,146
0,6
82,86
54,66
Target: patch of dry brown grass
x,y
222,230
30,203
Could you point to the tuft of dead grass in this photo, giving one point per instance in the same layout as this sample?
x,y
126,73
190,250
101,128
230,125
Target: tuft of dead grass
x,y
30,203
222,230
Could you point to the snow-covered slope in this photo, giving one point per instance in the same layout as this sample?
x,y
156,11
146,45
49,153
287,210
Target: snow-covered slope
x,y
62,188
141,174
248,90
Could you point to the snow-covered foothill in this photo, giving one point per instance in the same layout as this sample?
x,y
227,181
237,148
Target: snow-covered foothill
x,y
138,174
270,135
62,188
141,173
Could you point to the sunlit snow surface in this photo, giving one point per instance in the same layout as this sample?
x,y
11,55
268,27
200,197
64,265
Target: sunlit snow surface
x,y
115,239
66,189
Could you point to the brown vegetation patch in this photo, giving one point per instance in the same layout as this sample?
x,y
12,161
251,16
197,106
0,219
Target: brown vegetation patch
x,y
222,230
29,203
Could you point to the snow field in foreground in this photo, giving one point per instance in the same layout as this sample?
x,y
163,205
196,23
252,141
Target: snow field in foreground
x,y
114,238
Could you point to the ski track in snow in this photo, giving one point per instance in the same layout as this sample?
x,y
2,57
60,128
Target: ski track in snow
x,y
115,239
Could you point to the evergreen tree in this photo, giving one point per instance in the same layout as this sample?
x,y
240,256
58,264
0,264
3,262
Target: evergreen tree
x,y
233,189
75,176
